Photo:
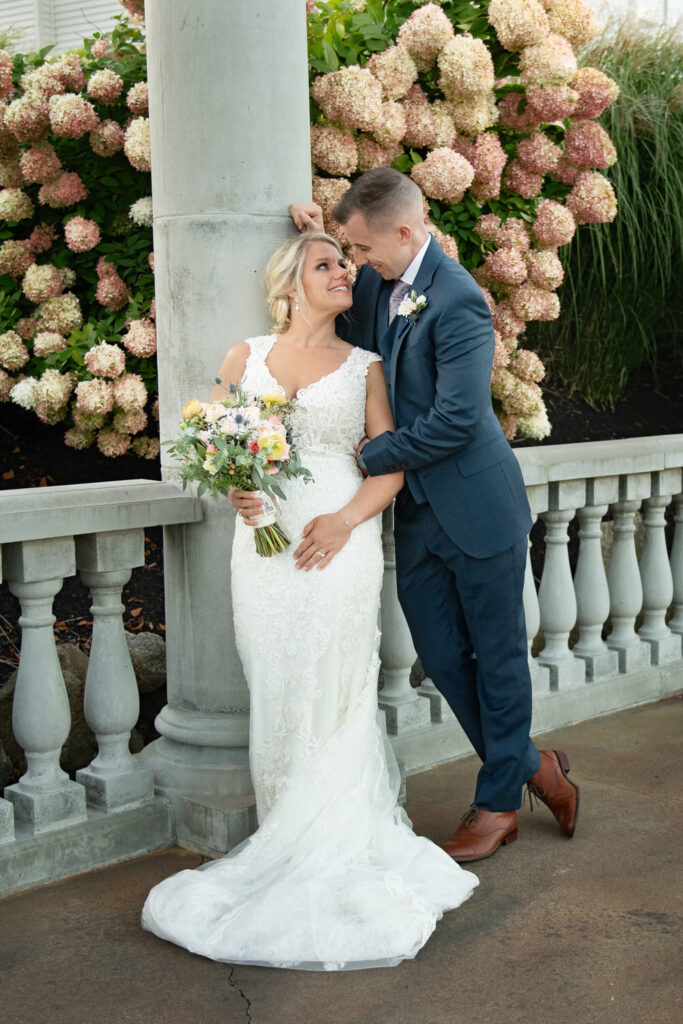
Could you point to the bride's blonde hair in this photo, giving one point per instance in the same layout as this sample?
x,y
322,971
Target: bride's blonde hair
x,y
284,272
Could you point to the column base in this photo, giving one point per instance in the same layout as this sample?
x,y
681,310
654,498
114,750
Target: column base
x,y
540,676
6,821
111,792
213,825
183,769
634,657
40,810
570,671
664,649
400,718
599,666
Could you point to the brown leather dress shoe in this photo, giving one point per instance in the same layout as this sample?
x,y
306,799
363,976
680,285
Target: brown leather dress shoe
x,y
551,785
481,833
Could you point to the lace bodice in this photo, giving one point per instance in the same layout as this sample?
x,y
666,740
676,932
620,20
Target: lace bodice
x,y
330,413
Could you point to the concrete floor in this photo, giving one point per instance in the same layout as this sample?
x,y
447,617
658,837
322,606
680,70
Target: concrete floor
x,y
558,932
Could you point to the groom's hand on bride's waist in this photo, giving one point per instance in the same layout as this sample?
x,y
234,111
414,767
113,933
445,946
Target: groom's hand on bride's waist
x,y
246,505
307,216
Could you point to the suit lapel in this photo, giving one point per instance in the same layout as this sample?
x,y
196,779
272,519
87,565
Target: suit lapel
x,y
433,256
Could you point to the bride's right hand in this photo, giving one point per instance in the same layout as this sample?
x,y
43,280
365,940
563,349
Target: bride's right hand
x,y
246,504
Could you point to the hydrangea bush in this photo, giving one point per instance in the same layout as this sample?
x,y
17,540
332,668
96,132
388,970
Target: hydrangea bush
x,y
77,333
483,104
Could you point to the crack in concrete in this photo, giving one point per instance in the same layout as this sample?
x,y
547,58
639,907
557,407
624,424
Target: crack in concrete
x,y
236,987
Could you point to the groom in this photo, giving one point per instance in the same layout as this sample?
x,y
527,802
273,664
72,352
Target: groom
x,y
462,519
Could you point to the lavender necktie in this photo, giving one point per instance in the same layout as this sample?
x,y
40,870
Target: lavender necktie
x,y
398,294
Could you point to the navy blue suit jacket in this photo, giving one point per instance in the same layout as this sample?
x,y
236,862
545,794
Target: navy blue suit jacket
x,y
448,439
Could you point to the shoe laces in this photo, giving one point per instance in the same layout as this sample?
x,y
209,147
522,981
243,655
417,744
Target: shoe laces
x,y
470,817
537,792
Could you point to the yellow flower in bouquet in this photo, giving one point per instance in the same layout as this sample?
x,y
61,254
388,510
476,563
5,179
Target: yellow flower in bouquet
x,y
191,409
274,398
273,443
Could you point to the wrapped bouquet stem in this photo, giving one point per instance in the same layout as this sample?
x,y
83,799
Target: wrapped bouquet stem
x,y
241,442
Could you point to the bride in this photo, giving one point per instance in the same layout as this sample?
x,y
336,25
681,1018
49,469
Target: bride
x,y
334,878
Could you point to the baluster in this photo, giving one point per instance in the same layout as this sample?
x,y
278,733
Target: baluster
x,y
676,622
400,702
540,674
44,798
625,590
592,597
656,576
558,601
112,704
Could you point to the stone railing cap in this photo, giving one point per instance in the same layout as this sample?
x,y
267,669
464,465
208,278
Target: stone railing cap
x,y
600,458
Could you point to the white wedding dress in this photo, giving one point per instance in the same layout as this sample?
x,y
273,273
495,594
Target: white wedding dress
x,y
334,878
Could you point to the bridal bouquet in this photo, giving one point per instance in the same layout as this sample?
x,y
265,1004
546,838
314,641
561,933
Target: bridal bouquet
x,y
245,443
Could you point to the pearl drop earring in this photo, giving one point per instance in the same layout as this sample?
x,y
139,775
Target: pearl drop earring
x,y
296,303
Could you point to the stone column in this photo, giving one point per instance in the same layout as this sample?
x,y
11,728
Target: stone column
x,y
230,150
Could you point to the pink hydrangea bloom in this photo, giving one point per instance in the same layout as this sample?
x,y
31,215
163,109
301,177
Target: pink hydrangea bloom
x,y
587,144
505,321
501,355
565,171
334,150
42,282
16,256
135,9
326,193
444,175
40,164
520,179
508,424
536,426
150,258
68,276
28,117
352,96
105,86
65,190
596,91
509,115
10,174
112,444
554,224
131,422
392,126
112,292
538,153
130,392
574,20
513,233
47,342
6,385
529,302
44,80
522,398
137,144
518,23
507,266
95,396
153,309
81,235
472,115
72,116
488,226
371,154
9,147
527,365
444,126
137,99
488,159
140,339
26,327
146,447
466,67
42,237
105,360
78,439
545,269
551,62
70,72
108,138
592,199
395,69
425,34
15,205
52,393
551,103
13,352
61,314
155,409
6,69
100,48
447,242
420,130
489,299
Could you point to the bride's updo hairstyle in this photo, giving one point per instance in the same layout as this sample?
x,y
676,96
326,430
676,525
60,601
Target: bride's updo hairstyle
x,y
284,272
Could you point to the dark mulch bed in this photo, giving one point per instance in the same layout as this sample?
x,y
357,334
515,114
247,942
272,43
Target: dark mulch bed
x,y
33,455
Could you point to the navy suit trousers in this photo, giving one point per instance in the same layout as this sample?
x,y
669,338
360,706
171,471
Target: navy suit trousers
x,y
466,618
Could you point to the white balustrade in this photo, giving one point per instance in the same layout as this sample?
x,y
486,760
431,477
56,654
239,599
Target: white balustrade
x,y
656,576
400,702
45,798
592,596
557,601
114,778
625,589
676,621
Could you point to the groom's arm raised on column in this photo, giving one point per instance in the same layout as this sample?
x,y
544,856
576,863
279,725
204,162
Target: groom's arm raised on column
x,y
307,216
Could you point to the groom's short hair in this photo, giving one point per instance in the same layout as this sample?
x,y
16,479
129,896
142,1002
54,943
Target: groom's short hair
x,y
382,196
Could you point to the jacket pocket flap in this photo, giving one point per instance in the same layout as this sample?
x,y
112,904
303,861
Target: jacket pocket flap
x,y
488,455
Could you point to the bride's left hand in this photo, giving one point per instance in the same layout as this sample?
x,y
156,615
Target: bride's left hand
x,y
323,538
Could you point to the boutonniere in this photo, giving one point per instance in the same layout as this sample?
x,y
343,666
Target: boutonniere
x,y
412,306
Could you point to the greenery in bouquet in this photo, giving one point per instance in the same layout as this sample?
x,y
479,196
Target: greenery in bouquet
x,y
244,443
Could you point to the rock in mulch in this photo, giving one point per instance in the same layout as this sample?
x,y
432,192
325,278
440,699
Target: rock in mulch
x,y
148,655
